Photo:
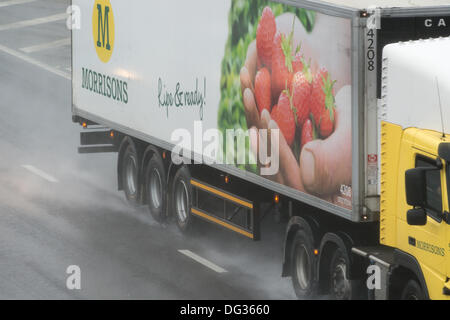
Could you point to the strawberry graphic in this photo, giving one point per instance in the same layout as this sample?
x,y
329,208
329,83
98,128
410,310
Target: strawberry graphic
x,y
322,99
308,132
264,36
284,116
297,64
301,93
263,90
327,123
283,58
300,65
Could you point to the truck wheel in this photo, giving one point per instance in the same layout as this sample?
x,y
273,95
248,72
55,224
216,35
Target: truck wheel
x,y
182,199
341,287
303,265
412,291
156,186
130,172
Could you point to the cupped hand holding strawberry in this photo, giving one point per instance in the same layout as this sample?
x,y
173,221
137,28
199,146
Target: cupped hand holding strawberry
x,y
324,163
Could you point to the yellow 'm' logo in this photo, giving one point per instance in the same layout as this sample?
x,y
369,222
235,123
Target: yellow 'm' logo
x,y
103,29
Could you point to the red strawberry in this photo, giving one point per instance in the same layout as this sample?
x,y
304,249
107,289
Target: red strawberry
x,y
263,90
265,33
300,64
308,132
301,93
282,63
283,115
322,96
297,64
326,127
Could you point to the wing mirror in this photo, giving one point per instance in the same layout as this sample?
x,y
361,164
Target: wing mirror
x,y
415,183
417,217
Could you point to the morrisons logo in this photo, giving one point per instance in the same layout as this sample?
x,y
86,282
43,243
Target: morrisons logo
x,y
104,85
430,248
103,29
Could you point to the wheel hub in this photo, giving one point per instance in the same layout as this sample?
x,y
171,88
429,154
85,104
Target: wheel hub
x,y
181,204
156,188
131,173
303,267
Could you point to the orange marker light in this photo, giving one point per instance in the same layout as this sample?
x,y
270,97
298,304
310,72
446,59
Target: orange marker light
x,y
277,198
111,134
227,179
316,252
84,124
164,155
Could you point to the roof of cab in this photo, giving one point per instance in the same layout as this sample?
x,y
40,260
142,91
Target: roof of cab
x,y
416,84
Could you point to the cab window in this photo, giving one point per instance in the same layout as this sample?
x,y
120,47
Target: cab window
x,y
433,203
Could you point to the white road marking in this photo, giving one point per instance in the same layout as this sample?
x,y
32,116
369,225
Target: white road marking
x,y
33,22
35,62
48,45
14,2
203,261
40,173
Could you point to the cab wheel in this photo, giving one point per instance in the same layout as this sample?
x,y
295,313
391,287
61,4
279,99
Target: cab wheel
x,y
412,291
340,285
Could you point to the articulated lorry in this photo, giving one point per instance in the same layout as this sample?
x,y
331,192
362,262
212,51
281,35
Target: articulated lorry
x,y
332,116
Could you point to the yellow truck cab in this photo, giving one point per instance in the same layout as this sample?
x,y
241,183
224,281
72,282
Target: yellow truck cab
x,y
415,167
415,206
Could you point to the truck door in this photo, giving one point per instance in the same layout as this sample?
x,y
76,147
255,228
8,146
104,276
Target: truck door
x,y
429,243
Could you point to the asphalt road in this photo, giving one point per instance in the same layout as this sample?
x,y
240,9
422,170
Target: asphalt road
x,y
58,208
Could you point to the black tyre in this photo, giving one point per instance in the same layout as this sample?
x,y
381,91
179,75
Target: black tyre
x,y
303,265
156,187
130,175
182,199
341,286
412,291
